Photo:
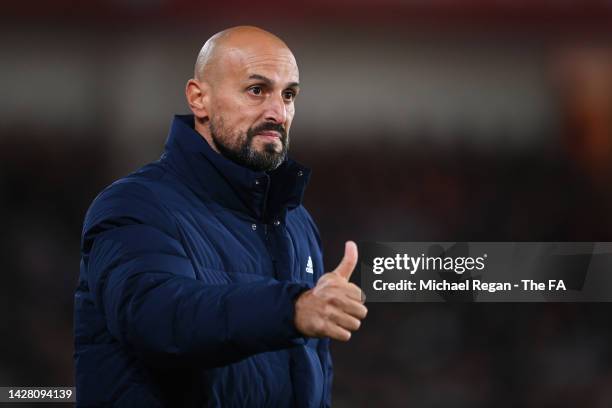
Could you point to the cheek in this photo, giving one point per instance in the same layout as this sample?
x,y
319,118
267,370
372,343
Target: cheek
x,y
229,116
290,114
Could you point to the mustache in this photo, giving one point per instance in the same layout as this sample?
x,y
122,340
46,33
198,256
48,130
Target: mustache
x,y
268,126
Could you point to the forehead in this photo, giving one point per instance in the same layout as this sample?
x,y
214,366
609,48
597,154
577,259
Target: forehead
x,y
277,64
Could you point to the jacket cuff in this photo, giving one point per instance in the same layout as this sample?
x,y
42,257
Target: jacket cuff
x,y
263,318
298,339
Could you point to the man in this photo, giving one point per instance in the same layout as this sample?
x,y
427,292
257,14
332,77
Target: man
x,y
201,277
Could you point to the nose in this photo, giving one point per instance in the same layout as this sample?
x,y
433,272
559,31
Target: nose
x,y
276,110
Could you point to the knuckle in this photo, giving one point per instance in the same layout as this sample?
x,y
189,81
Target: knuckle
x,y
318,290
318,326
334,301
323,294
332,283
328,311
327,290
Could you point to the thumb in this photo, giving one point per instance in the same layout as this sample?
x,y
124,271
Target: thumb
x,y
348,262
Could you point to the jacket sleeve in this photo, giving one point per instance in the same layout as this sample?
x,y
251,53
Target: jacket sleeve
x,y
323,349
141,279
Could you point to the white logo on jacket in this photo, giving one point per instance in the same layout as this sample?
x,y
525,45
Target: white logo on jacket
x,y
309,268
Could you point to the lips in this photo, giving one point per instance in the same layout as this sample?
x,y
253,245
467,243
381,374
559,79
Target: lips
x,y
269,133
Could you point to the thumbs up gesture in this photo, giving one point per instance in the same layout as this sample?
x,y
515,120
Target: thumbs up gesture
x,y
334,307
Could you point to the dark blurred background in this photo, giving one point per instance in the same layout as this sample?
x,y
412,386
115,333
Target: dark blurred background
x,y
462,120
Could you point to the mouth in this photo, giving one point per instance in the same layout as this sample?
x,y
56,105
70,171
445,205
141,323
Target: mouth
x,y
269,134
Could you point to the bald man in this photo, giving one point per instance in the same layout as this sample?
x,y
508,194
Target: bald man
x,y
202,280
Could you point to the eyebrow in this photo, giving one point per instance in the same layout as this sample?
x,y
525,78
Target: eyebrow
x,y
269,82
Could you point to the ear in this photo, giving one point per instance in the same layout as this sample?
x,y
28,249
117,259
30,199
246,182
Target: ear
x,y
197,94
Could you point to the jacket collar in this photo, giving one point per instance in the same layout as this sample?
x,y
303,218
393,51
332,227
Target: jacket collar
x,y
263,195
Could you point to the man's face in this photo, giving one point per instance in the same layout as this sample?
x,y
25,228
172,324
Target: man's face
x,y
252,105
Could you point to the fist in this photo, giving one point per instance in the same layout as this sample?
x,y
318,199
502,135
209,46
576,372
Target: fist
x,y
334,307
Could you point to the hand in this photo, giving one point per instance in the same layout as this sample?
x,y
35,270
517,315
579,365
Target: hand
x,y
334,307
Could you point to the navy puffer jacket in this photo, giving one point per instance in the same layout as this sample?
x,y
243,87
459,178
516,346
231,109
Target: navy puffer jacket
x,y
189,272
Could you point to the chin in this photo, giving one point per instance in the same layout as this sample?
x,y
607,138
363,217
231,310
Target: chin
x,y
274,147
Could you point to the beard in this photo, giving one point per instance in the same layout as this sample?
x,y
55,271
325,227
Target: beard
x,y
242,152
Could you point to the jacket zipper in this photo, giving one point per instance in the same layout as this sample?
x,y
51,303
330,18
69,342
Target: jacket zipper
x,y
265,205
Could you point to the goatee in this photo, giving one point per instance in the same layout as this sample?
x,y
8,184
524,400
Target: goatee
x,y
244,154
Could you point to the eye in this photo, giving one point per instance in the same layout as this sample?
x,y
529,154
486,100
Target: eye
x,y
255,90
289,95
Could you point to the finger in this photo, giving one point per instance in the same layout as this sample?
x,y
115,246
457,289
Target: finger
x,y
346,321
354,308
347,265
344,303
354,292
337,333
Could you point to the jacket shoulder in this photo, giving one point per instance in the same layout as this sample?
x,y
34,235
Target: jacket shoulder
x,y
134,199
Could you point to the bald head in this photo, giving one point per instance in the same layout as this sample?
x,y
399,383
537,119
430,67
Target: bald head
x,y
242,96
233,42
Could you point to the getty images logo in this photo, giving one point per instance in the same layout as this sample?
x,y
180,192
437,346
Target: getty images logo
x,y
309,268
412,264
